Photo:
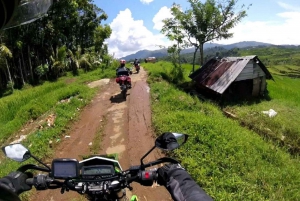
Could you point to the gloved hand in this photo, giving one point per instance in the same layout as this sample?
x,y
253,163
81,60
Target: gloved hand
x,y
180,184
165,172
16,182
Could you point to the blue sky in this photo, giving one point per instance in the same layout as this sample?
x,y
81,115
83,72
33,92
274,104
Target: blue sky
x,y
136,24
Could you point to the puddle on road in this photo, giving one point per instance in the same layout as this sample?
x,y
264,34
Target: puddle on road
x,y
148,89
116,149
117,129
117,117
98,83
116,136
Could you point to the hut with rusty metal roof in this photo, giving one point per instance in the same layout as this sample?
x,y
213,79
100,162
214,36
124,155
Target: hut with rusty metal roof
x,y
240,76
150,60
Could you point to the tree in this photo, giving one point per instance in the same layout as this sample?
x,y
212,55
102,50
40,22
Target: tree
x,y
174,31
211,20
4,54
100,34
46,48
59,61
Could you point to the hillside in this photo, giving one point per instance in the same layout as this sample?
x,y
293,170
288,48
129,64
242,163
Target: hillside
x,y
163,52
270,55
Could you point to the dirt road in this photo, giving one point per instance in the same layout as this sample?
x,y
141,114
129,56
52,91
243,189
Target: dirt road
x,y
124,127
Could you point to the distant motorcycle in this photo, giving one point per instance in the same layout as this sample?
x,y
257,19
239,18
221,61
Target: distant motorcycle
x,y
137,67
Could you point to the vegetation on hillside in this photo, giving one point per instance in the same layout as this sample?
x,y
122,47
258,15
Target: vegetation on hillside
x,y
272,56
275,55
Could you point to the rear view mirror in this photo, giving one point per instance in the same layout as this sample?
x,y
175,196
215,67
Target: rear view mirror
x,y
169,141
16,152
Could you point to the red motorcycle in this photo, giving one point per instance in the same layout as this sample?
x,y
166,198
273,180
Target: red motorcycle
x,y
125,83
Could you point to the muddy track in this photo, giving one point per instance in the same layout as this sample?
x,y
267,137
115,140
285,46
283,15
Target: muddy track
x,y
124,128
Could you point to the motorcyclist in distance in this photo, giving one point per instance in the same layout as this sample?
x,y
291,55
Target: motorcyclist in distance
x,y
123,70
178,182
136,62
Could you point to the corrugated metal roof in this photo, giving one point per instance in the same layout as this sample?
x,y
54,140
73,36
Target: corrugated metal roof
x,y
217,75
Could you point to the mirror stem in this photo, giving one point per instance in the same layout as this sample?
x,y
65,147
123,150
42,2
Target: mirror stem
x,y
142,164
35,158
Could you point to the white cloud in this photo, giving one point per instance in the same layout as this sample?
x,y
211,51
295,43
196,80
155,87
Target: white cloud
x,y
130,35
162,14
285,31
146,1
289,7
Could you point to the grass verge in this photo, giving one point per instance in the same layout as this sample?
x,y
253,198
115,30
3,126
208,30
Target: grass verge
x,y
228,161
284,128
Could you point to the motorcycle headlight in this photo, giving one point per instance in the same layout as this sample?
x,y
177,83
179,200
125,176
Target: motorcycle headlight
x,y
19,12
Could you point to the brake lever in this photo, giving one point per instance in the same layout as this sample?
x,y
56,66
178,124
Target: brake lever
x,y
62,190
129,187
159,161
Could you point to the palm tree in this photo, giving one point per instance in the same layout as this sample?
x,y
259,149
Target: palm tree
x,y
74,64
59,61
4,54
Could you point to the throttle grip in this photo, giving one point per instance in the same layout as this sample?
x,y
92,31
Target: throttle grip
x,y
147,177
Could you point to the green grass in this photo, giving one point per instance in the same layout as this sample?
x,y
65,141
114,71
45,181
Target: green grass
x,y
273,55
24,105
27,104
20,107
162,70
284,99
284,96
38,142
229,161
286,70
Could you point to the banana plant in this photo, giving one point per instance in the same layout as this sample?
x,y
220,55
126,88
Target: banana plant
x,y
5,53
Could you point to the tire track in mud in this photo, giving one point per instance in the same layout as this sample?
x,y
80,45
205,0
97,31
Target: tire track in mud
x,y
141,137
126,131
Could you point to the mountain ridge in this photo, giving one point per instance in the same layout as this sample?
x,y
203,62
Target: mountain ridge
x,y
163,52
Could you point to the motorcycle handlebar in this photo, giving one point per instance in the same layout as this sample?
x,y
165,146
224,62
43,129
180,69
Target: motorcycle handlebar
x,y
43,181
29,181
134,174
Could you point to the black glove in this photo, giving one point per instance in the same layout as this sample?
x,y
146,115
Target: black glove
x,y
165,172
180,184
16,182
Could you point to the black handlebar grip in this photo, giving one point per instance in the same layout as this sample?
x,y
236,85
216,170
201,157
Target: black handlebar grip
x,y
29,181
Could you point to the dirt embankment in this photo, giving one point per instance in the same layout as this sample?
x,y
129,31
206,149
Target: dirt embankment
x,y
125,128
